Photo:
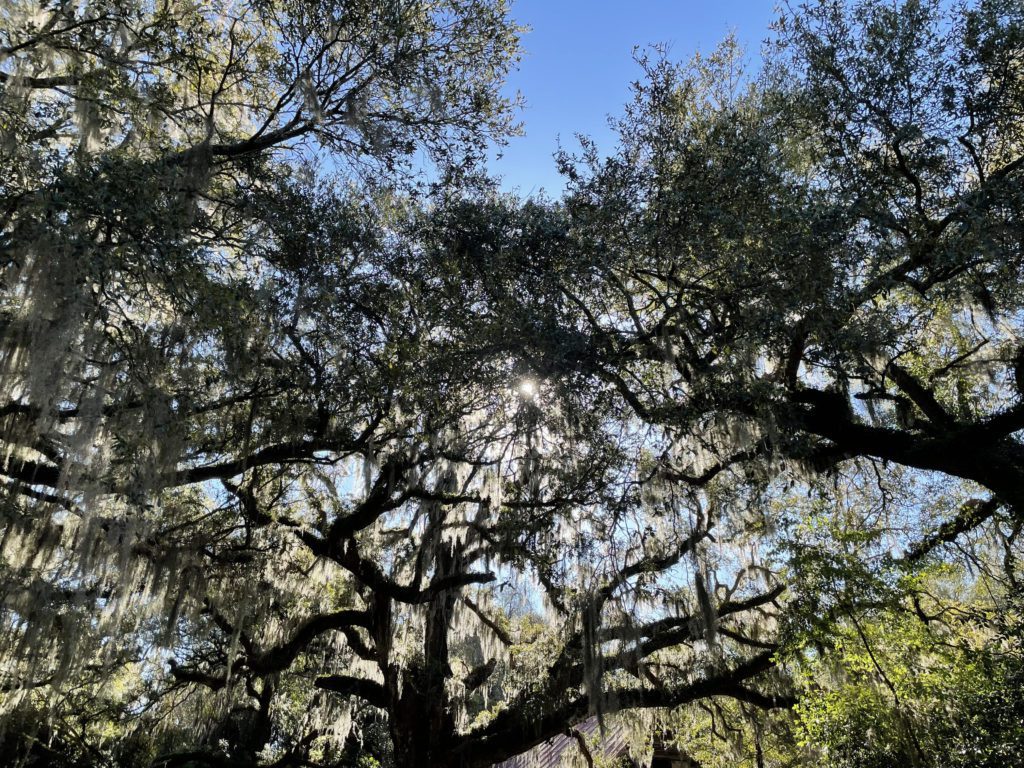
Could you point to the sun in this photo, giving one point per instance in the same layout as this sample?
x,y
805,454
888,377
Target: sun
x,y
527,388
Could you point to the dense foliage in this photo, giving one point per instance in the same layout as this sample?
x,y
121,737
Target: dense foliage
x,y
311,461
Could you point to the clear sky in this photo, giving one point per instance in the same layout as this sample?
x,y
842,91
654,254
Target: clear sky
x,y
578,65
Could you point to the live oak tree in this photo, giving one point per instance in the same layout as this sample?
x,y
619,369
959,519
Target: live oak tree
x,y
290,446
263,473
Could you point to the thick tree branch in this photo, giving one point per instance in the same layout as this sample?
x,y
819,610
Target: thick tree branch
x,y
346,685
522,727
972,513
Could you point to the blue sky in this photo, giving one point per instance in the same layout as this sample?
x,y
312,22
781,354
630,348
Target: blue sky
x,y
578,65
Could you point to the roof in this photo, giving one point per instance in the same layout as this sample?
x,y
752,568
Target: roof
x,y
551,753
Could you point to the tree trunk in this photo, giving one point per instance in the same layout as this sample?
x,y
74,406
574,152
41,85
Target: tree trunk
x,y
423,728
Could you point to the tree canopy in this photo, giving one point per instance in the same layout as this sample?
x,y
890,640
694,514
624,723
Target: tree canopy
x,y
313,458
